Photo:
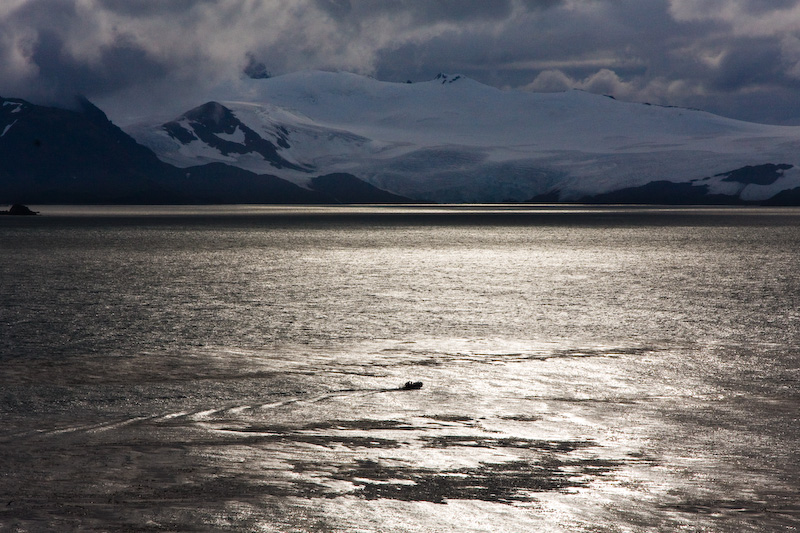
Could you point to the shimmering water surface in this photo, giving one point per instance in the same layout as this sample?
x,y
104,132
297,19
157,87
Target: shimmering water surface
x,y
237,369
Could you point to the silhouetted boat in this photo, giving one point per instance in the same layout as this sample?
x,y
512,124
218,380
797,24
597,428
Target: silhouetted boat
x,y
411,385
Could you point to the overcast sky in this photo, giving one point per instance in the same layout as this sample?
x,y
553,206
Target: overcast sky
x,y
738,58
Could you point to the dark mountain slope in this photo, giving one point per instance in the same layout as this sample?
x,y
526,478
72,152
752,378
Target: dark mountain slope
x,y
223,184
51,155
348,189
56,155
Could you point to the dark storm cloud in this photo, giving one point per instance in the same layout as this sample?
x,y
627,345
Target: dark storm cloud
x,y
552,36
43,35
114,67
735,57
52,50
541,4
140,8
726,56
747,63
425,12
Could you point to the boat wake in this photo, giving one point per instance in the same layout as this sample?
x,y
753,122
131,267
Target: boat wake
x,y
200,415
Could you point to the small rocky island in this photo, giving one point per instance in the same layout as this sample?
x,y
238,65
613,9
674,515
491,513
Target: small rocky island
x,y
19,209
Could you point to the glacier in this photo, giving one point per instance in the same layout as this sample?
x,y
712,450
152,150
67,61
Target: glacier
x,y
453,139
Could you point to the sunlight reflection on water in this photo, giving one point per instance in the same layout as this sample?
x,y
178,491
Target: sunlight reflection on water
x,y
238,368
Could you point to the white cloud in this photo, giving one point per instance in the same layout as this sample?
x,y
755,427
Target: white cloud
x,y
551,81
604,81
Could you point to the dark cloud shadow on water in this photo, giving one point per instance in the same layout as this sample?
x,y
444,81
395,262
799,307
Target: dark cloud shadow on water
x,y
148,475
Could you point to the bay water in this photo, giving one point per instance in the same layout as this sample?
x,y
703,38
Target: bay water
x,y
241,368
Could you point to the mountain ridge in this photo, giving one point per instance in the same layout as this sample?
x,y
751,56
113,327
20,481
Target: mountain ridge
x,y
452,139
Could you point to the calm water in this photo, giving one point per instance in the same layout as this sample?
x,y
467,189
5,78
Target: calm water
x,y
236,369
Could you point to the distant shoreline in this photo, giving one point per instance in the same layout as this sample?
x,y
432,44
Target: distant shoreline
x,y
425,214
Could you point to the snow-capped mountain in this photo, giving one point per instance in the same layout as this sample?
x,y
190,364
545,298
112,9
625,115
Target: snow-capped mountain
x,y
453,139
52,155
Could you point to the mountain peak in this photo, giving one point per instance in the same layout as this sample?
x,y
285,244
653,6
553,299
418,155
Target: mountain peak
x,y
92,112
219,128
211,114
255,69
448,78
